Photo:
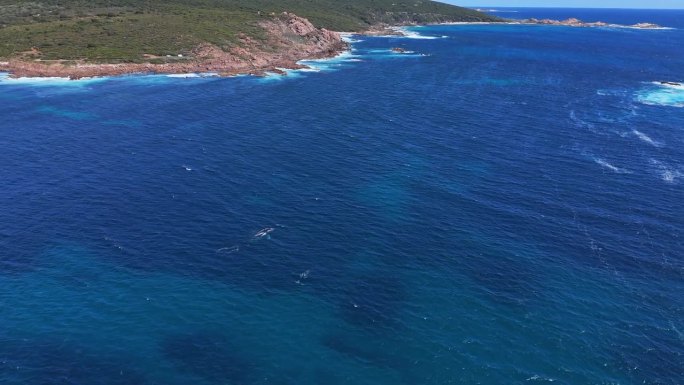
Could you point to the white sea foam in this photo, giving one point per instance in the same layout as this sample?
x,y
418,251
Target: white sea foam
x,y
193,75
349,37
603,163
660,94
646,139
182,76
657,28
667,173
478,23
411,34
6,79
268,77
327,64
263,233
496,10
387,52
673,85
312,65
228,250
580,122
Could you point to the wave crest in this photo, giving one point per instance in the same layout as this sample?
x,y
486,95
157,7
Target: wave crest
x,y
668,173
669,94
646,139
603,163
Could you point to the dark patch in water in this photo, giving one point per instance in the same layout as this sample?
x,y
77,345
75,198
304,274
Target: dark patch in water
x,y
650,355
13,262
378,351
17,255
208,355
503,279
367,350
40,362
373,302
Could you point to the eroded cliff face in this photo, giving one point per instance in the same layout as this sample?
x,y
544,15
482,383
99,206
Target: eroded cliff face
x,y
288,38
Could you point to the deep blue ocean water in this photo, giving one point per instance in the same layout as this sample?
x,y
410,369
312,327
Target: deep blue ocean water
x,y
504,205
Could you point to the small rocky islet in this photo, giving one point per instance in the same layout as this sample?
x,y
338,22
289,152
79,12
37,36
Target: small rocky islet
x,y
573,22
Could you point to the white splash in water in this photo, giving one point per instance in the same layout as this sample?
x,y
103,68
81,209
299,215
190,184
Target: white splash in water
x,y
669,94
312,65
193,75
350,38
580,122
6,79
603,163
668,173
411,34
263,233
228,250
646,139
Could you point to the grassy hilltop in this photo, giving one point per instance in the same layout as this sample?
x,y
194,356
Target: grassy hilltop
x,y
125,30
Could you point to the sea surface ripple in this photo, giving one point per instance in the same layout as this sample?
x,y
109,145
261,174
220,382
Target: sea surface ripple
x,y
498,205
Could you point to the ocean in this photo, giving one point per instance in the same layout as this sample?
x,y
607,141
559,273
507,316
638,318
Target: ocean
x,y
499,204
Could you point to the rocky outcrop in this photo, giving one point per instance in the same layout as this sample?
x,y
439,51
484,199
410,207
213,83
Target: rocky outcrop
x,y
295,37
289,39
646,26
572,22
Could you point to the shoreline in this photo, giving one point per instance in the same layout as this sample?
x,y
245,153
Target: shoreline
x,y
290,39
251,59
27,70
262,73
566,23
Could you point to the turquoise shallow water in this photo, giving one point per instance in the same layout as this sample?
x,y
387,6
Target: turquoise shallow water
x,y
501,205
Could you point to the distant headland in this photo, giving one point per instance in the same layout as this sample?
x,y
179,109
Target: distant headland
x,y
572,22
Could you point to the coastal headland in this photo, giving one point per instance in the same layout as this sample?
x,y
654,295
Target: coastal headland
x,y
70,38
51,38
288,39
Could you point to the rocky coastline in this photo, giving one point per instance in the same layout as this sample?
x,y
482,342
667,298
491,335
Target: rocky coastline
x,y
572,22
289,39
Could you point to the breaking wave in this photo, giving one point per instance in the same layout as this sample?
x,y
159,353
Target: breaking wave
x,y
6,79
605,164
409,33
670,94
667,173
646,139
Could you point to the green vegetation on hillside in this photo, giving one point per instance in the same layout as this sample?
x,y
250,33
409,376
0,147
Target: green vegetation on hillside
x,y
125,30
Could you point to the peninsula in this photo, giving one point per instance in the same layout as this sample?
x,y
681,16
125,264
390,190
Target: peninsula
x,y
77,38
